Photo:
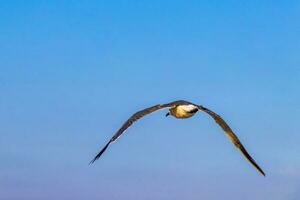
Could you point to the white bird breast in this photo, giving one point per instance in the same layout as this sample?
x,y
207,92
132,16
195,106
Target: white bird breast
x,y
187,108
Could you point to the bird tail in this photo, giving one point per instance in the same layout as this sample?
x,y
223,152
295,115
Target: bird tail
x,y
101,152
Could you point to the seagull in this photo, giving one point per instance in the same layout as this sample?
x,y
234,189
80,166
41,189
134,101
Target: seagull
x,y
182,110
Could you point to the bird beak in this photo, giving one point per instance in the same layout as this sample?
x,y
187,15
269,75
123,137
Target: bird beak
x,y
167,114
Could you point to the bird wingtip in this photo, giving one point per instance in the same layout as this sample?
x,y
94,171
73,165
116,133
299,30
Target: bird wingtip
x,y
100,153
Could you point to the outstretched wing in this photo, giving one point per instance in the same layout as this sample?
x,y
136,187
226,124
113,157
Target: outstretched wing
x,y
234,139
135,117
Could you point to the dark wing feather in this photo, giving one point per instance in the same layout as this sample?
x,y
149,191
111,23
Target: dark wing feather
x,y
234,139
138,115
101,152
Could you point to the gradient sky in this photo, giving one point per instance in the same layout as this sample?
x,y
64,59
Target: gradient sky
x,y
71,72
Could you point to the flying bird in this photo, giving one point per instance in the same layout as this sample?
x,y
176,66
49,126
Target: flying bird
x,y
181,110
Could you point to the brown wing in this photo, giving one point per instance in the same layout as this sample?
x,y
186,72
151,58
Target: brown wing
x,y
234,139
138,115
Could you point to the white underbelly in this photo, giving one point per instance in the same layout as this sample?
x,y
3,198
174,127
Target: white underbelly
x,y
184,111
186,108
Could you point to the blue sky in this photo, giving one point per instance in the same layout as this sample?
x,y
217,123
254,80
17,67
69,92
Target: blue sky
x,y
73,71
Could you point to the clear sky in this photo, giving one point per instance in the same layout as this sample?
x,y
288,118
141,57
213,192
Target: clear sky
x,y
71,72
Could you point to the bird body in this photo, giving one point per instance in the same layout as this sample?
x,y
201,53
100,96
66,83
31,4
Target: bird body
x,y
182,109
